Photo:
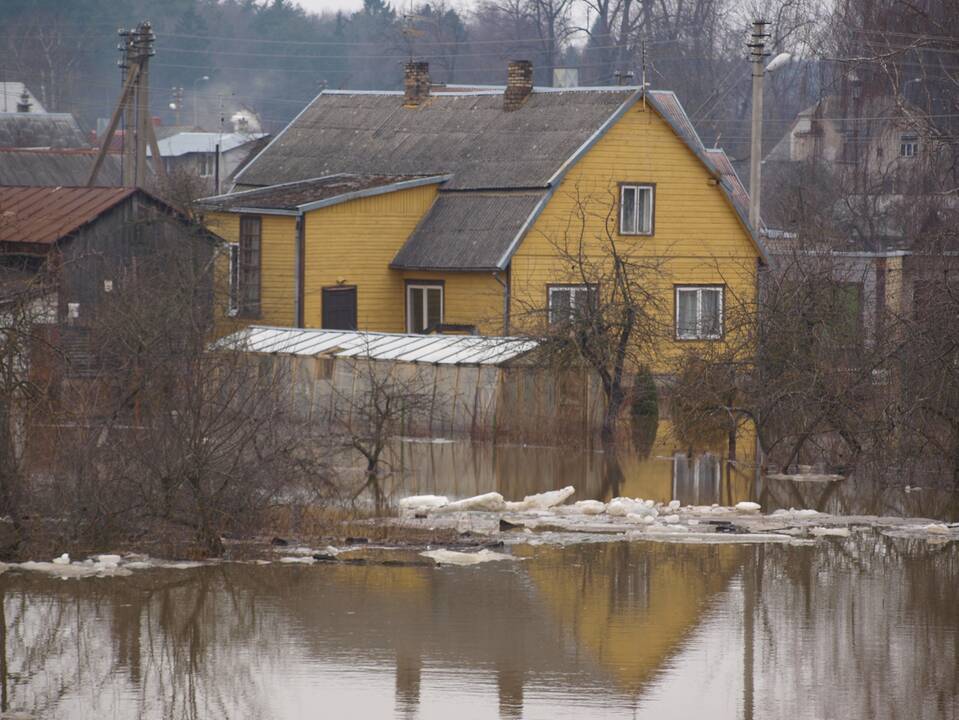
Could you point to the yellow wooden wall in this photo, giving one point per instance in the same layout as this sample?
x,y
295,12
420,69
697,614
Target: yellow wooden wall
x,y
278,271
469,298
695,227
353,243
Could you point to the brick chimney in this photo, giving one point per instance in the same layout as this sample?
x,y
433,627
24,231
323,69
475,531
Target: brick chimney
x,y
416,83
519,84
24,105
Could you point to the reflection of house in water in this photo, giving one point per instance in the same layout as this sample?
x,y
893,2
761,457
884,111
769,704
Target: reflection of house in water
x,y
697,480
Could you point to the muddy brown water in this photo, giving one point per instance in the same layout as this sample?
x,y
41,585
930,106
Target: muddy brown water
x,y
865,627
859,627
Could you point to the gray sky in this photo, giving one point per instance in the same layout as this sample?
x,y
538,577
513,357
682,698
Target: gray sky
x,y
329,5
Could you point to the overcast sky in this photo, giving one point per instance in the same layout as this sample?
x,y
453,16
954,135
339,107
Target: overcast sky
x,y
330,5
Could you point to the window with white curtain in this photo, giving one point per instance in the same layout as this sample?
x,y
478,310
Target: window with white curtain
x,y
699,312
636,209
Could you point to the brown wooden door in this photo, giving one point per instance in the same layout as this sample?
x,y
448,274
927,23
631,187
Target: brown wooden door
x,y
339,308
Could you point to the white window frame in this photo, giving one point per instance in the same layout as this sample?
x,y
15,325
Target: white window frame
x,y
650,211
699,335
423,287
206,165
908,146
573,289
233,286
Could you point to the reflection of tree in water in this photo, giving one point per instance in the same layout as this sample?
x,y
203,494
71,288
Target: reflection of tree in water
x,y
169,639
869,625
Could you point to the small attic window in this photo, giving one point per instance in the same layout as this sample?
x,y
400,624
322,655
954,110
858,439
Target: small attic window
x,y
636,209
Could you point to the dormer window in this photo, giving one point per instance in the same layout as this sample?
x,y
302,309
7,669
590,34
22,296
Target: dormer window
x,y
636,209
908,146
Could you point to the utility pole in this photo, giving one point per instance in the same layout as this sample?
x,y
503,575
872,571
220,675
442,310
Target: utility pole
x,y
757,53
134,107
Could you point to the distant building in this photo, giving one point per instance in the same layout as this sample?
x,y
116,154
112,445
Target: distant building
x,y
40,130
876,136
16,97
196,153
56,166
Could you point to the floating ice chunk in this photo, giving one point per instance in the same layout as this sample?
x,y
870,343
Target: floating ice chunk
x,y
590,507
621,507
805,513
649,503
62,560
298,559
748,507
830,531
108,560
674,505
452,557
423,502
937,529
544,500
671,519
489,502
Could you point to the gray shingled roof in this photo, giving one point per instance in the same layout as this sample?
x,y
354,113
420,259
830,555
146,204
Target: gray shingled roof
x,y
468,135
468,231
55,167
26,130
300,195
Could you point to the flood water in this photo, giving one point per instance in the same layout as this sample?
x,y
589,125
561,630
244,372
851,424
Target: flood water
x,y
865,627
858,627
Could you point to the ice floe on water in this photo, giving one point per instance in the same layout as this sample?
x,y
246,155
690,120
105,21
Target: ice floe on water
x,y
453,557
544,518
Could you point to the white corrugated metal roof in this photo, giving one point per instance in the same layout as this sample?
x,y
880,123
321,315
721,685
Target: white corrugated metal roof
x,y
202,142
433,349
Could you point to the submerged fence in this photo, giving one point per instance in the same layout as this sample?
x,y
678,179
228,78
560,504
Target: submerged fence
x,y
517,403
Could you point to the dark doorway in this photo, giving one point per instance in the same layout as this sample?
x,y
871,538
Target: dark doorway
x,y
339,308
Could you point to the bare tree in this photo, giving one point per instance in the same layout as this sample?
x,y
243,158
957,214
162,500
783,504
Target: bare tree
x,y
611,315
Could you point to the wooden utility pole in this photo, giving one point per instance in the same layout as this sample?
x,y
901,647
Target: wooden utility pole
x,y
757,53
134,107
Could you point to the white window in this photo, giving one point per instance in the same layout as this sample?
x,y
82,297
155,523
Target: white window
x,y
234,250
699,313
565,301
207,164
424,307
636,209
908,146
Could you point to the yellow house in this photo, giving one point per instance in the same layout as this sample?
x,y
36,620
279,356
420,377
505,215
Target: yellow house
x,y
454,210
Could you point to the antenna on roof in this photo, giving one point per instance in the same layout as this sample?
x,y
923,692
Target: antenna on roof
x,y
644,73
409,31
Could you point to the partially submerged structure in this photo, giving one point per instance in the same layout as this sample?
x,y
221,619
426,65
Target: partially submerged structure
x,y
464,386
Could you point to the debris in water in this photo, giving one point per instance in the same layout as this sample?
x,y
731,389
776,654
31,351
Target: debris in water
x,y
452,557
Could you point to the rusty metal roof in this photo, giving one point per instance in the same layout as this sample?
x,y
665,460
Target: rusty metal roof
x,y
44,215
